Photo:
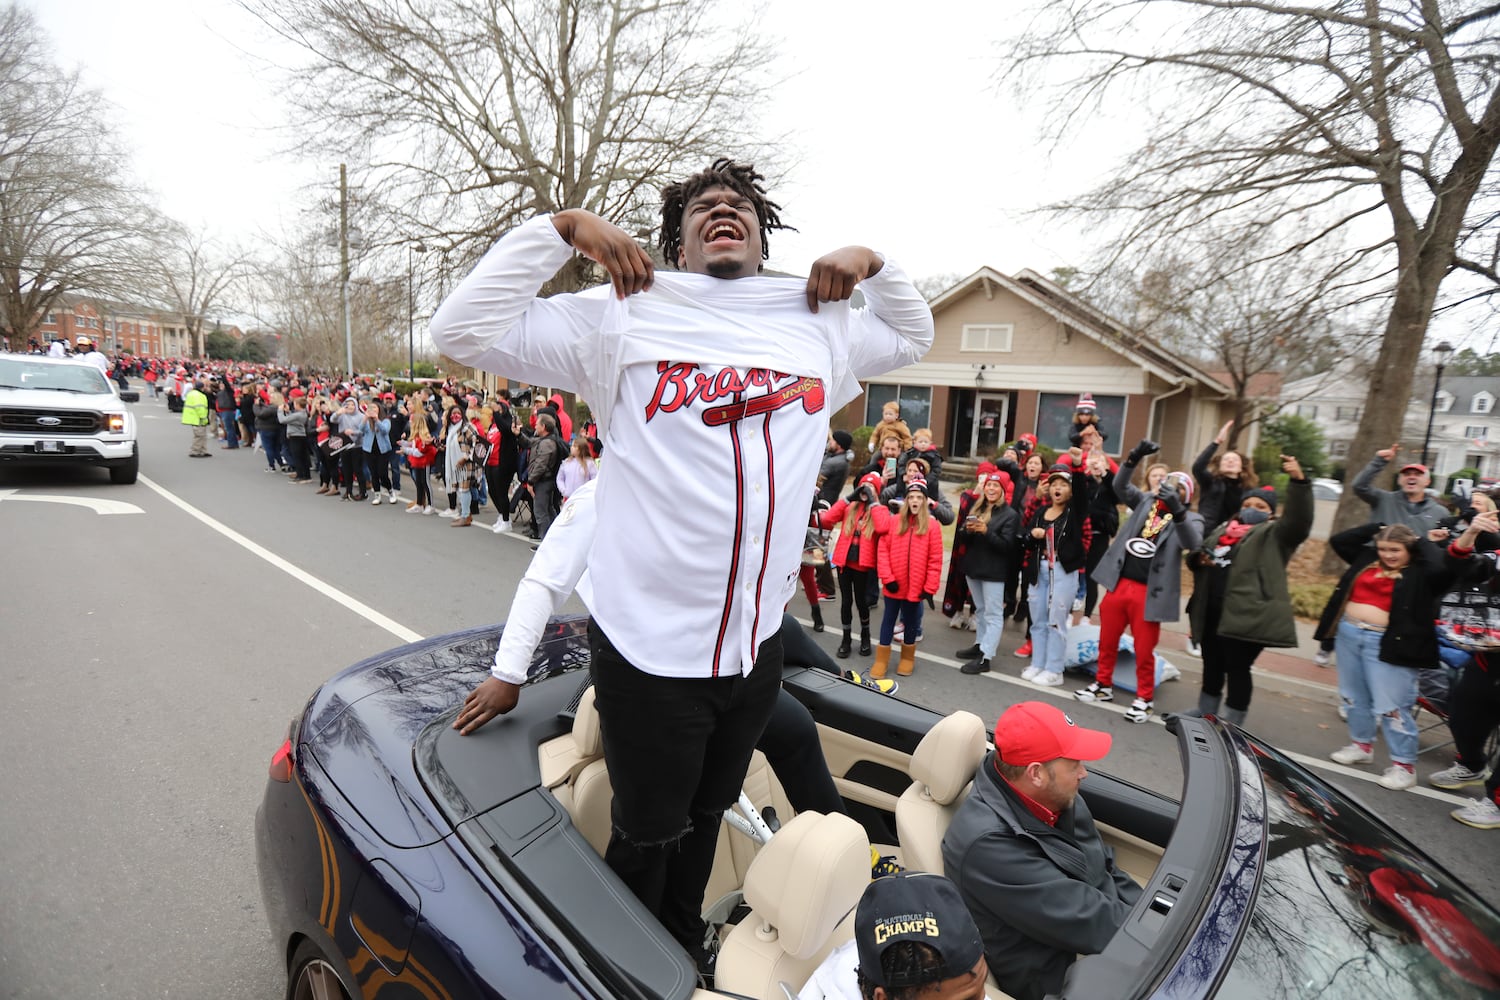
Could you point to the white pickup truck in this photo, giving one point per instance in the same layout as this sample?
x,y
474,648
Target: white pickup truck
x,y
62,411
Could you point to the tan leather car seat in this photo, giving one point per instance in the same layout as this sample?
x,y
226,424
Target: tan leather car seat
x,y
802,889
942,771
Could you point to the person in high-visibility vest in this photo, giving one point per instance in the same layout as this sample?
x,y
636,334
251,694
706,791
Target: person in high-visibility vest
x,y
195,415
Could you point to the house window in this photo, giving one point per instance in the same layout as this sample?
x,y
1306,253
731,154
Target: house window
x,y
1338,449
1350,413
915,402
1474,461
1054,418
50,319
1476,432
1444,401
1483,403
986,337
1307,410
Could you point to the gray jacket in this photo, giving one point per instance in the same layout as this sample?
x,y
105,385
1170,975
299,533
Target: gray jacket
x,y
1040,895
1164,578
1392,507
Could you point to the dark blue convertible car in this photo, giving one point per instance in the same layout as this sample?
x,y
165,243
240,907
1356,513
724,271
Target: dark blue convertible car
x,y
399,860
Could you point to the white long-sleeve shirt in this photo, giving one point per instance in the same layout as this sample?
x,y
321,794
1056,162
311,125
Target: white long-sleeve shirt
x,y
713,397
553,574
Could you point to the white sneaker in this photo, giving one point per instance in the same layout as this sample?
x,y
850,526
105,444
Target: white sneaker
x,y
1343,709
389,498
1398,778
1048,678
448,512
1193,648
1095,692
1482,814
1077,605
1139,711
1322,659
429,509
501,527
376,501
1029,674
415,508
1351,754
957,621
971,623
1457,776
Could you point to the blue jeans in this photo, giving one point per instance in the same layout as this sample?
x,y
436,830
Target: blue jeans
x,y
1376,689
397,460
1051,601
271,447
989,613
911,618
230,420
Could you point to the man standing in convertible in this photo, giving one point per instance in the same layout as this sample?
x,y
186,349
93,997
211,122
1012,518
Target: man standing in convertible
x,y
712,390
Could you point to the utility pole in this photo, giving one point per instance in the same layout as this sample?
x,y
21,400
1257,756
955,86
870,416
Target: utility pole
x,y
344,269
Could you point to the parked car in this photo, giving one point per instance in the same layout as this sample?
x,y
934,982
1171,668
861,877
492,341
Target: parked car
x,y
1327,489
398,858
61,411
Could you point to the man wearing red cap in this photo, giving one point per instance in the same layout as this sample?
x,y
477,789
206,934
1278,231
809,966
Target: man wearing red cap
x,y
1409,503
1041,883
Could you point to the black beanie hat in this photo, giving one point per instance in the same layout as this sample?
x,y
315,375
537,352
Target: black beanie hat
x,y
843,439
1264,493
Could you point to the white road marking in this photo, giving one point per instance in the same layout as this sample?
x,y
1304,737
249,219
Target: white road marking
x,y
96,505
328,590
1065,695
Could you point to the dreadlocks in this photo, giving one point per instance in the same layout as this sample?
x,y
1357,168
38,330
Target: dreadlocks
x,y
740,177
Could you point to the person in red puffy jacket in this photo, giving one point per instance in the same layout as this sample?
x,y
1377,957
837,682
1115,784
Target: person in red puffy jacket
x,y
910,561
861,519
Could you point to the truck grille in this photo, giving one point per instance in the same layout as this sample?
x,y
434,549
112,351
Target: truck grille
x,y
46,423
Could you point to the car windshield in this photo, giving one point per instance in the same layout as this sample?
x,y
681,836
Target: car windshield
x,y
21,374
1347,909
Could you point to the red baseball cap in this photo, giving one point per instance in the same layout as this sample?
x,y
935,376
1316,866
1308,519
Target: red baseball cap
x,y
1035,732
1413,465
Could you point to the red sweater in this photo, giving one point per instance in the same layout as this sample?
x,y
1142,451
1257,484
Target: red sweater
x,y
913,561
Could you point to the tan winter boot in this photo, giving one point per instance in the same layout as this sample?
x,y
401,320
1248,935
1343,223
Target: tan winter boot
x,y
882,659
908,659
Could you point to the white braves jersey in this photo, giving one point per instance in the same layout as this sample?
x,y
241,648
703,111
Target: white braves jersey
x,y
713,398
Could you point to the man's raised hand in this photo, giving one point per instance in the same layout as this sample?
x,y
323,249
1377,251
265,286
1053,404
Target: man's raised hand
x,y
625,261
833,276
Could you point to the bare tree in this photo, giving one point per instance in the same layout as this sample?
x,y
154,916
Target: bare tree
x,y
474,115
1241,310
69,221
197,277
1354,122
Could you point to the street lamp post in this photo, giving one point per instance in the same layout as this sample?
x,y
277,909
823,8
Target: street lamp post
x,y
411,308
1442,352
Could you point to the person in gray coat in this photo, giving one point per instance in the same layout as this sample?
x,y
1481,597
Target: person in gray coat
x,y
1410,505
1142,572
1027,858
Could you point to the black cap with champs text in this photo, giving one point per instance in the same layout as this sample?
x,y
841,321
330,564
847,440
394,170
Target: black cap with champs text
x,y
915,906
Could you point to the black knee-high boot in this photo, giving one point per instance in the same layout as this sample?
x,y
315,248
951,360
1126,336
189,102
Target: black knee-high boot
x,y
864,637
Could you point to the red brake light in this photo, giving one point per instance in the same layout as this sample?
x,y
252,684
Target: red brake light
x,y
281,762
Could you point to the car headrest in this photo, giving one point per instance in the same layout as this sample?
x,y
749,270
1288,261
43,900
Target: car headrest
x,y
807,878
586,727
948,756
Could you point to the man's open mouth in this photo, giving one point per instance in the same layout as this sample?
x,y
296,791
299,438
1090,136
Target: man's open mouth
x,y
724,231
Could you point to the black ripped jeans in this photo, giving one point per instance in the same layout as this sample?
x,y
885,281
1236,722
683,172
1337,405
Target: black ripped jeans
x,y
677,749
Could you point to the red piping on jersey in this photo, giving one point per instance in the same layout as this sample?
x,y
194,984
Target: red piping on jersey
x,y
739,527
765,551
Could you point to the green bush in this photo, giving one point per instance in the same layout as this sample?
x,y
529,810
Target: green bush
x,y
1309,599
861,436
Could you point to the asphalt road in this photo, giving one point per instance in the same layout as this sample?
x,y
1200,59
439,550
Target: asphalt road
x,y
151,661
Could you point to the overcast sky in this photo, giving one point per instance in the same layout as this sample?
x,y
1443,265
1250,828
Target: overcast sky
x,y
903,142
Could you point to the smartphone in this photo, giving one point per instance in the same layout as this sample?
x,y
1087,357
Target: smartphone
x,y
890,467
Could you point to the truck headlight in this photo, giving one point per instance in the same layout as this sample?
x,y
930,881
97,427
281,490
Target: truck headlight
x,y
114,423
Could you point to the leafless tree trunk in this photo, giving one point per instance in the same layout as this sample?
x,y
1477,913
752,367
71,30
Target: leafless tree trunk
x,y
472,116
1352,123
69,222
196,277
